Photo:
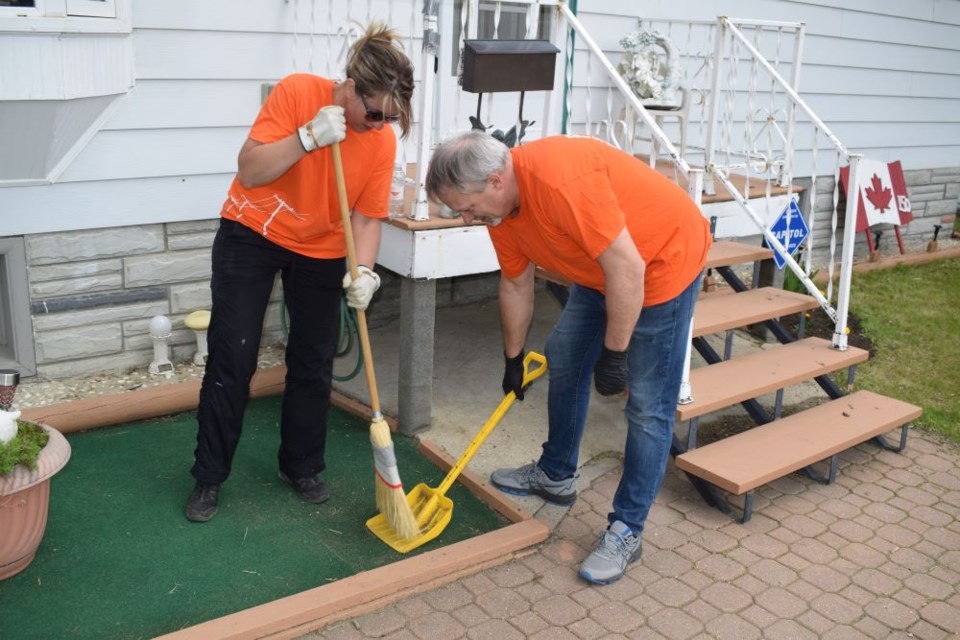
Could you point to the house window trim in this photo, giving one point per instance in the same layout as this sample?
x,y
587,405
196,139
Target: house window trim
x,y
50,16
92,8
37,10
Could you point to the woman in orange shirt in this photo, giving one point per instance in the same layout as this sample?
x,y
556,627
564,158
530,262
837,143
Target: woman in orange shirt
x,y
282,214
634,246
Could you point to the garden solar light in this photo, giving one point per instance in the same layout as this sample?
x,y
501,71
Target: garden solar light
x,y
160,329
9,379
198,321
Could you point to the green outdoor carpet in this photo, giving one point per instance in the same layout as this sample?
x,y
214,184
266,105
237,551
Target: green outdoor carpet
x,y
120,560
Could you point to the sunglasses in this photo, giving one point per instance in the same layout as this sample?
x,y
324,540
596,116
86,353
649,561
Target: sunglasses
x,y
373,115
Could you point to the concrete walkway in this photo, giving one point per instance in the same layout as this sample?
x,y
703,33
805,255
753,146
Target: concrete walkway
x,y
874,555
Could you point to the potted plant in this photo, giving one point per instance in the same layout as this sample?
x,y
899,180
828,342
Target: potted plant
x,y
30,454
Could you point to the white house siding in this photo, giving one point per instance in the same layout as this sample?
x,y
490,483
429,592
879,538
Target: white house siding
x,y
885,76
882,74
199,69
125,233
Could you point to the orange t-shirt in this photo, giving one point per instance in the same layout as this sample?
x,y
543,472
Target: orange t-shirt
x,y
300,210
576,196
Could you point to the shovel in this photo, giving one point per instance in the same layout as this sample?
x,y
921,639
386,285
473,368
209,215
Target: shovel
x,y
431,507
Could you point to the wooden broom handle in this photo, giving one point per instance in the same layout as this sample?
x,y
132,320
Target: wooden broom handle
x,y
352,262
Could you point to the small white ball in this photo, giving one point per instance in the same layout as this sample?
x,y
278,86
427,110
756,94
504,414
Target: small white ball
x,y
160,327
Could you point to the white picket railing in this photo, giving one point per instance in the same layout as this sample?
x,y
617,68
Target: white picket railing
x,y
746,117
746,123
776,162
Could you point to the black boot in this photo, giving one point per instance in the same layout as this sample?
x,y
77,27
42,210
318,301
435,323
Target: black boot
x,y
312,489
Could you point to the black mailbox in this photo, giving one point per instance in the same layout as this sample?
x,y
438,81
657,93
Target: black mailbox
x,y
490,66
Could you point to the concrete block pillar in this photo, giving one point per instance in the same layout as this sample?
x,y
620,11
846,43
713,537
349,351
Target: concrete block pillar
x,y
418,300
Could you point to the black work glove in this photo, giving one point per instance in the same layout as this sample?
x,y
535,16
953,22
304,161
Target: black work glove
x,y
513,375
610,374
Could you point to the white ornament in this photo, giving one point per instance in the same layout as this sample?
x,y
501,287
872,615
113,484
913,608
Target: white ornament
x,y
8,425
655,82
160,330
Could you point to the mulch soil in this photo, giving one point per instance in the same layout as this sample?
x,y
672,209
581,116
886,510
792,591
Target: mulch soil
x,y
816,324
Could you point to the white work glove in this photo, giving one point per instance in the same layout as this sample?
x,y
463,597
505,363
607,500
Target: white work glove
x,y
360,291
327,127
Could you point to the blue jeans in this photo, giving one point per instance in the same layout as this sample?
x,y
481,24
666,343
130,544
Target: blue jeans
x,y
655,361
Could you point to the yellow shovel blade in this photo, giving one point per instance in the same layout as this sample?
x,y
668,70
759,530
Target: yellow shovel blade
x,y
432,511
431,507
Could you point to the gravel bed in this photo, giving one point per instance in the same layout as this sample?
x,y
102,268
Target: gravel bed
x,y
36,391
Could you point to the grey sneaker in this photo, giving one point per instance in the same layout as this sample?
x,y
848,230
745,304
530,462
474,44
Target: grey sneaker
x,y
617,548
531,479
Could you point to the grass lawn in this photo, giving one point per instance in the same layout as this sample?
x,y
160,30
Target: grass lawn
x,y
911,314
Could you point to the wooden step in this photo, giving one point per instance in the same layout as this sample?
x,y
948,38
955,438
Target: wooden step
x,y
719,313
752,458
724,253
727,383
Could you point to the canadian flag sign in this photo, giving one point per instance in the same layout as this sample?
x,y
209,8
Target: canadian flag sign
x,y
883,194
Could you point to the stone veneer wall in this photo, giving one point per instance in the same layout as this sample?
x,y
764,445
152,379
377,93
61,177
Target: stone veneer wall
x,y
934,195
93,293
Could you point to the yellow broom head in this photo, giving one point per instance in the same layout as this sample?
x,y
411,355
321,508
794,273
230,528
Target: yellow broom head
x,y
391,500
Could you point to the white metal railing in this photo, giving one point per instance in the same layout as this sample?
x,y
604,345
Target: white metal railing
x,y
610,125
558,105
743,76
746,121
428,61
776,162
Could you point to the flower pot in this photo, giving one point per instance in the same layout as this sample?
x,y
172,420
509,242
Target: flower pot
x,y
24,498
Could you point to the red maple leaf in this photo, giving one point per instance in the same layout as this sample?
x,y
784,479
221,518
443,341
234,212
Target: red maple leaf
x,y
878,196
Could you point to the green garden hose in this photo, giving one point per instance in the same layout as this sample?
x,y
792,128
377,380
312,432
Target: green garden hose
x,y
348,336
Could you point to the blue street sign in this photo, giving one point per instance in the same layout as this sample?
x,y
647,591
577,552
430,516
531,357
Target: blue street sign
x,y
798,231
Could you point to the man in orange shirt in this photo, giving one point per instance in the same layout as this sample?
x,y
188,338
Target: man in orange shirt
x,y
282,214
634,246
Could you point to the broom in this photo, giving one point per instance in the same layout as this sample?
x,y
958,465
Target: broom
x,y
391,500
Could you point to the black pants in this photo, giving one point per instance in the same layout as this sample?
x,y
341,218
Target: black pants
x,y
244,269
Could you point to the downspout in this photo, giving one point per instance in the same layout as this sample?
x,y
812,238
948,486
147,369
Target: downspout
x,y
572,4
